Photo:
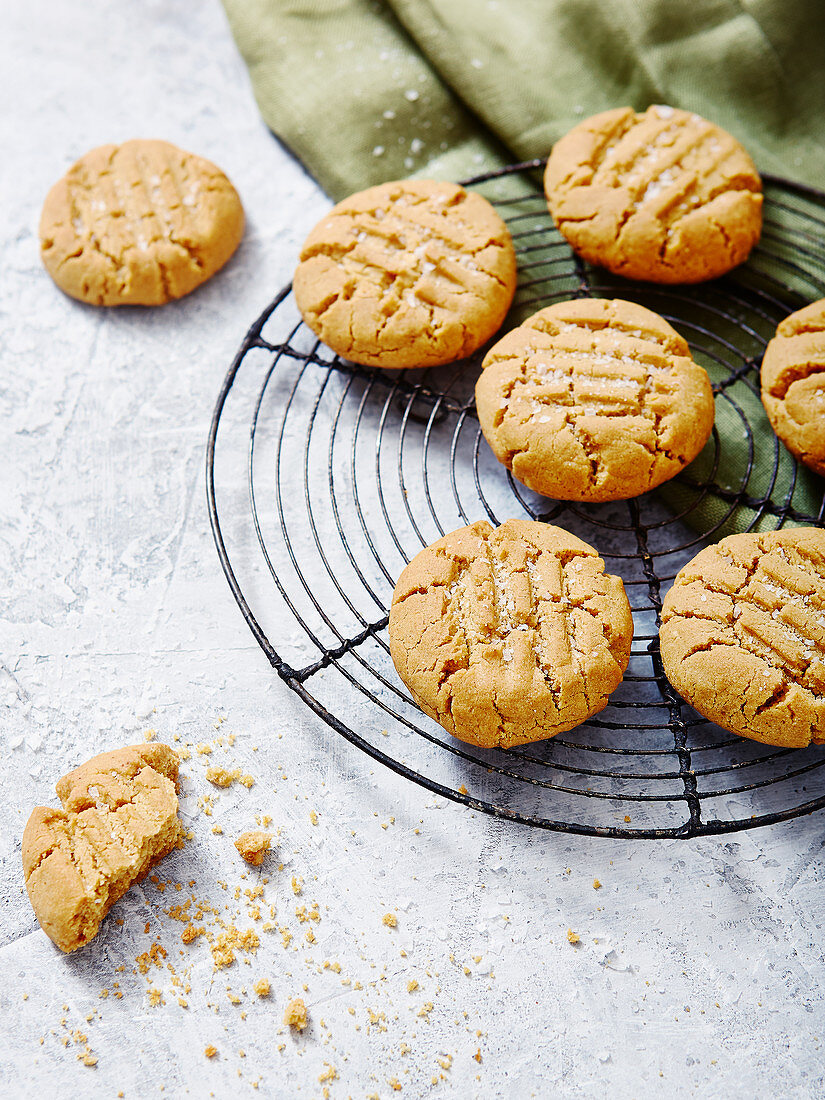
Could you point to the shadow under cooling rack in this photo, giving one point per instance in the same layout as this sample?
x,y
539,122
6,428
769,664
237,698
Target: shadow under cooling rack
x,y
324,479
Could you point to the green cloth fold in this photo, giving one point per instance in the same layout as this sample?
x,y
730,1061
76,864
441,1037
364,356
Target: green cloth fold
x,y
364,91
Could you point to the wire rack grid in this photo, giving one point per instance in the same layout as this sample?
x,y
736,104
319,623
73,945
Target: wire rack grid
x,y
324,479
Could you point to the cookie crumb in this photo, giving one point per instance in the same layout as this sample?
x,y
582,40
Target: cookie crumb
x,y
253,846
295,1015
210,1051
221,777
572,937
412,985
596,884
390,920
262,987
313,817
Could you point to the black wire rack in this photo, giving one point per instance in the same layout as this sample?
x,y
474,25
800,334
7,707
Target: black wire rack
x,y
324,479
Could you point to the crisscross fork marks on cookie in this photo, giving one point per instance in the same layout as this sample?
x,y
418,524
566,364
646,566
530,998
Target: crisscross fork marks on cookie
x,y
582,409
139,223
793,384
408,273
664,195
743,633
511,634
409,248
674,165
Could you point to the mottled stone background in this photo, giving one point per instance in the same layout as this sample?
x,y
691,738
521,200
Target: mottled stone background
x,y
699,969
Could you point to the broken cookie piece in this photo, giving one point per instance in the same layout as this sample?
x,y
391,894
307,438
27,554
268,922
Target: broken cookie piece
x,y
119,817
253,846
295,1014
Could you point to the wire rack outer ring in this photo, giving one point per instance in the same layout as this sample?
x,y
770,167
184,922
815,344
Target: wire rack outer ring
x,y
691,828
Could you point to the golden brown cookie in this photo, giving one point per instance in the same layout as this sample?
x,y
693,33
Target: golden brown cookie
x,y
138,224
407,274
743,635
594,399
793,384
119,817
664,195
509,634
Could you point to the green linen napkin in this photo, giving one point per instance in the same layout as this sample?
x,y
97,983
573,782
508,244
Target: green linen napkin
x,y
364,91
368,90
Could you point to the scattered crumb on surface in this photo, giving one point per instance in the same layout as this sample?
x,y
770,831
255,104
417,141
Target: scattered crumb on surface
x,y
390,920
412,985
253,846
572,937
210,1051
596,884
262,987
222,777
313,817
295,1014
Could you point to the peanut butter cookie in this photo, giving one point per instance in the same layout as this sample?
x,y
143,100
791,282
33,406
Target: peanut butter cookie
x,y
793,384
407,274
664,195
509,634
138,224
594,400
119,817
743,635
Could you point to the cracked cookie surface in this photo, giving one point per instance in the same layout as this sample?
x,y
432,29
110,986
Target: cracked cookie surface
x,y
743,635
511,634
664,195
412,273
594,399
793,384
119,817
138,224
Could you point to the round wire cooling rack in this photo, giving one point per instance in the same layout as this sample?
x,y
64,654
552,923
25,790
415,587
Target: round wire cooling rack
x,y
324,479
